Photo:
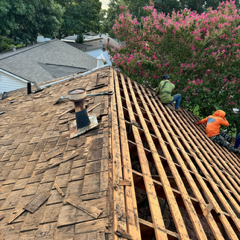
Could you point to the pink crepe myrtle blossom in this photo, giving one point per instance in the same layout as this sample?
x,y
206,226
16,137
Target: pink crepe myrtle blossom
x,y
178,48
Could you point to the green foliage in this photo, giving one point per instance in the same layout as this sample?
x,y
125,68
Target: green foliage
x,y
201,52
167,6
79,38
79,16
5,44
26,18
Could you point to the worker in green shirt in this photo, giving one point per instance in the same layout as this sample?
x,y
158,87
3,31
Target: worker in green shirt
x,y
164,90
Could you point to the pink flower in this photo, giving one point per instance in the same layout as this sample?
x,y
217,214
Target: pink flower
x,y
208,71
154,57
193,48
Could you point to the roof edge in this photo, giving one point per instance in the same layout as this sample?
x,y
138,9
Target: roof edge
x,y
13,75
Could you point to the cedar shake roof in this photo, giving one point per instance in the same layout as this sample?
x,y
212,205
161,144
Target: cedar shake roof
x,y
144,173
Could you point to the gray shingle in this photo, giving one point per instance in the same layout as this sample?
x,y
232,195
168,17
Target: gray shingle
x,y
25,63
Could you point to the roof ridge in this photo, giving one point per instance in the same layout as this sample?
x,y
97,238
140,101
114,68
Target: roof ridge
x,y
26,50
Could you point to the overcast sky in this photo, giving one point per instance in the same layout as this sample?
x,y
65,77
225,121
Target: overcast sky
x,y
104,4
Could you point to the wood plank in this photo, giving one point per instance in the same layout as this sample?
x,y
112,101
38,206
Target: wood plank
x,y
130,196
91,108
67,120
67,111
14,216
122,234
37,201
84,206
65,159
179,182
152,196
187,135
53,153
171,235
125,183
119,207
59,189
179,223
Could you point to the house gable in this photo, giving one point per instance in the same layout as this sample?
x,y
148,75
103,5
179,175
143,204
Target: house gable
x,y
10,82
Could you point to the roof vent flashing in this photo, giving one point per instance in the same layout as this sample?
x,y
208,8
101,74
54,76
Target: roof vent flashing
x,y
83,123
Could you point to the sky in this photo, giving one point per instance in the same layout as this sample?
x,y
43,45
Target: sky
x,y
104,4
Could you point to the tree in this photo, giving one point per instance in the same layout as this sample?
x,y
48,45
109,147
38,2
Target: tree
x,y
167,6
5,44
79,16
26,18
103,21
201,52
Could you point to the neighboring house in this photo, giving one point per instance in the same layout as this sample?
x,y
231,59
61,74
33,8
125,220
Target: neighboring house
x,y
93,45
143,173
42,62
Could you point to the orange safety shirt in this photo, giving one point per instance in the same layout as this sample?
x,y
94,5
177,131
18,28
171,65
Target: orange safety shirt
x,y
214,123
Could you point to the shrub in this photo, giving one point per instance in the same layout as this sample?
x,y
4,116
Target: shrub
x,y
201,52
79,38
5,44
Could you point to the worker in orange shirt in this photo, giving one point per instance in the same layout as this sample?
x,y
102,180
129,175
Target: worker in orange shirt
x,y
214,123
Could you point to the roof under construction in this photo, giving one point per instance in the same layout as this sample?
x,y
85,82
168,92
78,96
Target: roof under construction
x,y
144,173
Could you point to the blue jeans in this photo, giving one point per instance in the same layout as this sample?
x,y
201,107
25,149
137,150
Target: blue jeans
x,y
177,98
237,143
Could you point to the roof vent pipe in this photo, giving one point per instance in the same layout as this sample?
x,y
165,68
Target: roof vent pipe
x,y
78,96
37,86
29,88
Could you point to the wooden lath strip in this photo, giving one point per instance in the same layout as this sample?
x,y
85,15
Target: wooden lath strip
x,y
224,163
164,160
130,197
225,180
189,178
230,176
186,199
119,214
221,153
178,121
221,173
148,182
171,235
160,192
179,223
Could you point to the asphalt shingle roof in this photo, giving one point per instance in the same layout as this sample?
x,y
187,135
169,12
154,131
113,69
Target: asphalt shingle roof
x,y
28,63
152,172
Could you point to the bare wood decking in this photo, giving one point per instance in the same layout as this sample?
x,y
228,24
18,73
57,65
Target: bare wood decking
x,y
198,179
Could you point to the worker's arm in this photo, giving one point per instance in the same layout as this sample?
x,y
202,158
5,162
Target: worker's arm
x,y
203,121
158,89
224,122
